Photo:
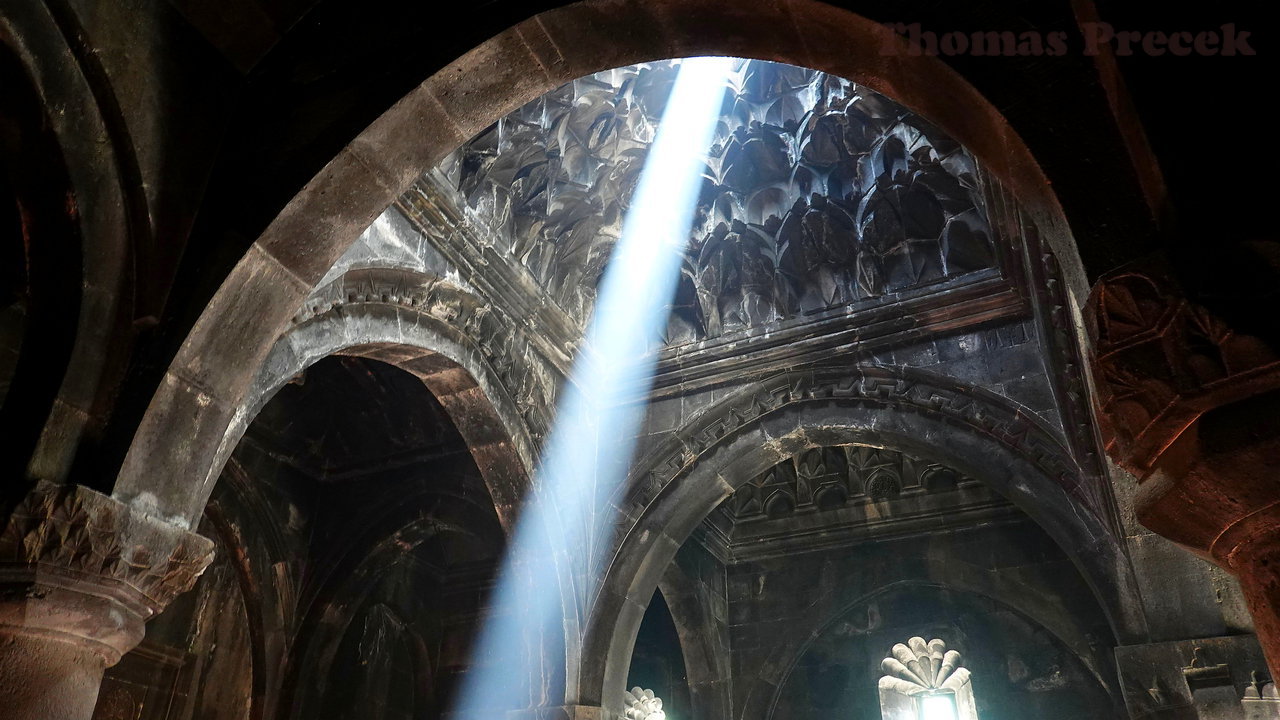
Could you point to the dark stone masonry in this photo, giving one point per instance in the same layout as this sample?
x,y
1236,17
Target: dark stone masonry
x,y
968,396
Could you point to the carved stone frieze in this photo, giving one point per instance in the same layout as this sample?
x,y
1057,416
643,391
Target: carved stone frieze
x,y
830,478
973,409
840,496
515,354
817,193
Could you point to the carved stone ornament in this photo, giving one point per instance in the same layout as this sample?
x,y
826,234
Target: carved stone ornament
x,y
917,671
643,705
834,477
817,193
1161,362
88,568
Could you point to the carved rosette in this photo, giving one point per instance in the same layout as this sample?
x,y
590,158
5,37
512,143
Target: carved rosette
x,y
643,705
77,563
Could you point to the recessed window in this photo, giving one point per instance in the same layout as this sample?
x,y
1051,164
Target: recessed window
x,y
937,707
924,681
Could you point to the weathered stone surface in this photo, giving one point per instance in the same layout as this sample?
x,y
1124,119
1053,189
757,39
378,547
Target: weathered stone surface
x,y
80,573
185,131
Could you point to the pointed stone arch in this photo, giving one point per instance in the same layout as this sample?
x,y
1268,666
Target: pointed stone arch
x,y
976,432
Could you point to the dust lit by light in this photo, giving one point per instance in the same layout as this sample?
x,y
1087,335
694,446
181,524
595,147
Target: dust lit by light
x,y
938,707
588,450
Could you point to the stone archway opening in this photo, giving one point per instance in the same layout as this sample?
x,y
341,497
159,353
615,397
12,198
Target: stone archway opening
x,y
788,452
355,530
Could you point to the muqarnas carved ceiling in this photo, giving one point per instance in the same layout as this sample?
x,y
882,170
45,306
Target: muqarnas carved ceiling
x,y
817,194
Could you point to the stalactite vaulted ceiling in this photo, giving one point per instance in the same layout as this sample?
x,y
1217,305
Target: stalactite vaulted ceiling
x,y
817,193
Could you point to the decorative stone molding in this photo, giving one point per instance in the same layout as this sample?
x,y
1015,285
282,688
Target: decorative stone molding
x,y
79,564
978,410
527,365
643,705
919,672
832,477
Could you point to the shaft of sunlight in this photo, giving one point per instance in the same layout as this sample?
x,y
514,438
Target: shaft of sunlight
x,y
587,452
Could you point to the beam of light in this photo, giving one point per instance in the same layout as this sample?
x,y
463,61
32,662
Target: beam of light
x,y
587,452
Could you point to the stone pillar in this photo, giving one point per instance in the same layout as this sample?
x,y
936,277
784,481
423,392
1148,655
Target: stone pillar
x,y
1192,409
1250,548
80,574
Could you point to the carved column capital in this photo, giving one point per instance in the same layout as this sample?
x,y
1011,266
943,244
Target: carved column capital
x,y
1161,361
81,567
1192,408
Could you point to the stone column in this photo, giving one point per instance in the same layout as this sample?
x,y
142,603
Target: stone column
x,y
1192,409
80,574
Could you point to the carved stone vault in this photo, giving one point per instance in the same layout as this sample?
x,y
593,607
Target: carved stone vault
x,y
816,193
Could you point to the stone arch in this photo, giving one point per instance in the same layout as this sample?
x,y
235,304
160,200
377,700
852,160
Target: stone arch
x,y
384,620
766,691
437,348
101,201
677,484
423,330
707,668
251,592
211,375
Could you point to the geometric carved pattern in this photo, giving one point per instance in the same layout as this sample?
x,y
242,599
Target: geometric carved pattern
x,y
979,411
506,346
72,528
817,193
982,412
833,477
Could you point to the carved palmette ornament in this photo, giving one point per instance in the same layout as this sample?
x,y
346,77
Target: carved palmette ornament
x,y
643,705
918,667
